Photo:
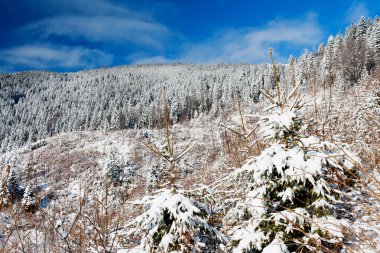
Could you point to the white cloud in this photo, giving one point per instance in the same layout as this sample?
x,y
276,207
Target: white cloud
x,y
82,7
251,45
83,24
53,56
355,11
100,21
103,29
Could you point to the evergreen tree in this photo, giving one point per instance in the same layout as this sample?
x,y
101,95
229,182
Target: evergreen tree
x,y
153,177
14,191
4,194
374,42
329,60
114,170
288,198
362,27
129,174
173,220
28,201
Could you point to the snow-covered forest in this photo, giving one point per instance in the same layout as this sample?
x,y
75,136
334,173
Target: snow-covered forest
x,y
40,104
197,158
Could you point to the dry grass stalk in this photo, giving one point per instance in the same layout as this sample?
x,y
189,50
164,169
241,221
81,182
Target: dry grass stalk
x,y
276,79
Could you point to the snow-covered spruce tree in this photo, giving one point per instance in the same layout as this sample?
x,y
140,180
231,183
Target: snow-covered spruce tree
x,y
4,194
374,42
119,172
4,198
157,174
28,201
173,220
288,198
10,187
14,190
129,173
115,170
153,177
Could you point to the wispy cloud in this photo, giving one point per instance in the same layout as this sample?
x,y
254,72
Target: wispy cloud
x,y
89,28
355,11
83,7
100,21
102,29
251,45
73,34
53,56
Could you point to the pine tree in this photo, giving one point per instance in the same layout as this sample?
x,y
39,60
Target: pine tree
x,y
28,201
153,177
329,61
374,42
129,173
288,198
14,190
4,194
362,27
173,219
114,170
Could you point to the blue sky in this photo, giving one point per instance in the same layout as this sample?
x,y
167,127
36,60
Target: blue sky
x,y
70,35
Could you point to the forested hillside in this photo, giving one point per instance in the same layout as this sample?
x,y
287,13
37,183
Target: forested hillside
x,y
40,104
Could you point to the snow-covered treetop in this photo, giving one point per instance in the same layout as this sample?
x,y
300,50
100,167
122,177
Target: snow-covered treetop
x,y
283,121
